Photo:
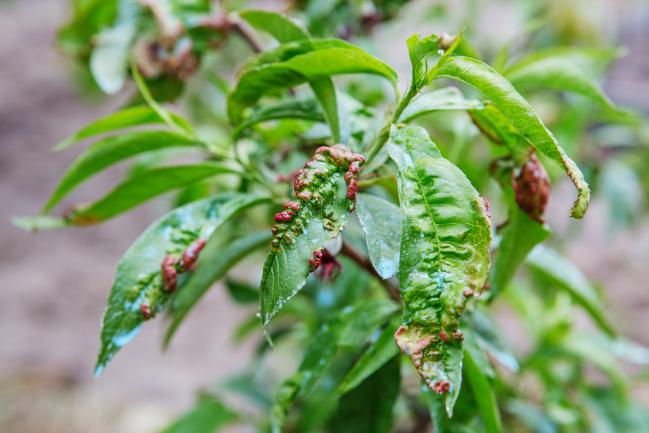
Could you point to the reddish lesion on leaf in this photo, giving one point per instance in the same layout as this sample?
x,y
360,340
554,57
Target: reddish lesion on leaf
x,y
532,188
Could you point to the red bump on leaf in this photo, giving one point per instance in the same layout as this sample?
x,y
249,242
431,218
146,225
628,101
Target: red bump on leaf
x,y
190,255
443,336
169,274
145,310
442,387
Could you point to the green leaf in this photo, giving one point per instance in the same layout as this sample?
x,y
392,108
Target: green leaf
x,y
280,27
381,222
242,292
421,53
566,276
521,115
142,187
444,257
109,151
360,321
490,339
221,253
325,91
445,99
126,118
296,63
497,128
306,109
557,71
109,59
379,352
369,407
482,389
138,279
284,31
317,359
207,416
320,212
517,238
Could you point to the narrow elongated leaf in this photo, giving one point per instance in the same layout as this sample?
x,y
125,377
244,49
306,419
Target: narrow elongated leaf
x,y
517,238
444,257
317,359
497,128
381,222
521,115
207,416
126,118
490,339
325,91
557,73
147,274
325,190
142,187
377,354
482,390
221,253
277,25
300,62
561,272
111,150
360,321
242,292
369,407
293,109
445,99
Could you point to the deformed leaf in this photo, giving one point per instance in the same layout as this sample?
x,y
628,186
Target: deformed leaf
x,y
219,255
142,187
445,99
157,264
566,276
111,150
381,222
444,257
207,416
521,115
325,191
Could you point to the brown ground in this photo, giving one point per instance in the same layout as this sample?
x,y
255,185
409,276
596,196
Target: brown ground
x,y
56,283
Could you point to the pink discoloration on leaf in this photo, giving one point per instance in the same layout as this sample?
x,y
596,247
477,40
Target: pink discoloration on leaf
x,y
169,274
190,255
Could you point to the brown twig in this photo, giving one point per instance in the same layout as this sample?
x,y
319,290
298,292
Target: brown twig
x,y
245,34
362,261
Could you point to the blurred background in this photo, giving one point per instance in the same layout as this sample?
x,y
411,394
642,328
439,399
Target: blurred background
x,y
55,284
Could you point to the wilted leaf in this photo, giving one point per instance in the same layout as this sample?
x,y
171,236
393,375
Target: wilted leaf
x,y
521,115
381,222
140,289
444,257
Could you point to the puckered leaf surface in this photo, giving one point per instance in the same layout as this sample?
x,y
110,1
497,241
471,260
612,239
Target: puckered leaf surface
x,y
444,257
